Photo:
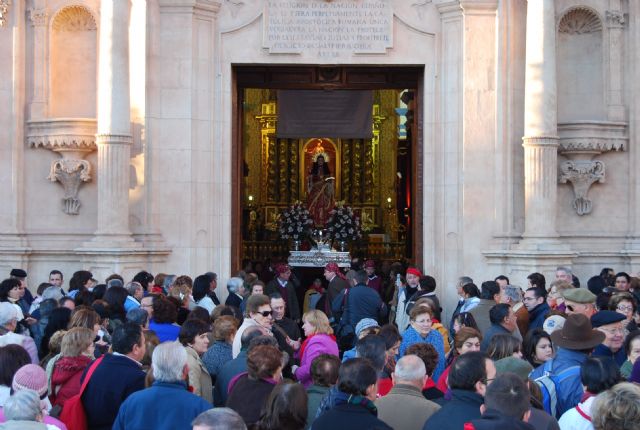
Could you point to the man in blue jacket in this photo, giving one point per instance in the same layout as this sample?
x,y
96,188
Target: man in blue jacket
x,y
116,377
167,404
575,341
535,302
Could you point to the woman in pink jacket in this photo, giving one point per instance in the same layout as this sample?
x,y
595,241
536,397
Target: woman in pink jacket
x,y
319,340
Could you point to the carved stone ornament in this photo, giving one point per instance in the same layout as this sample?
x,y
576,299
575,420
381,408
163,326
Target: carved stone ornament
x,y
580,20
582,174
4,10
615,18
73,139
74,18
38,17
580,141
70,173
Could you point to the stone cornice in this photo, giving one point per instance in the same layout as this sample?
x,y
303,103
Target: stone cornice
x,y
62,134
592,136
479,7
197,7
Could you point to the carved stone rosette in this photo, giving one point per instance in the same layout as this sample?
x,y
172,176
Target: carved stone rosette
x,y
580,141
73,139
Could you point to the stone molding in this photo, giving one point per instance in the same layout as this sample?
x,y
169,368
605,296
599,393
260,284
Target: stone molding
x,y
4,11
202,8
38,17
72,139
615,19
114,139
580,20
582,174
540,141
580,141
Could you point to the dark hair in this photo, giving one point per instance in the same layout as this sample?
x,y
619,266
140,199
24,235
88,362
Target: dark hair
x,y
467,320
623,274
58,320
164,311
356,376
56,272
125,337
324,370
65,299
325,167
390,334
467,370
79,279
596,284
629,339
373,348
275,296
98,291
489,289
143,278
84,298
138,316
285,408
249,335
428,283
43,286
427,353
471,290
191,329
502,278
263,361
115,297
254,302
262,340
509,395
12,358
538,292
620,297
498,313
530,342
503,346
201,314
538,280
200,287
602,300
6,286
598,374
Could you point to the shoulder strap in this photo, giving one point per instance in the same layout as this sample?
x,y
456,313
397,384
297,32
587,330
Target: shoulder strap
x,y
89,374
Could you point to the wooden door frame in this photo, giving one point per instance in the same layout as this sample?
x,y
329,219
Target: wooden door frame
x,y
369,77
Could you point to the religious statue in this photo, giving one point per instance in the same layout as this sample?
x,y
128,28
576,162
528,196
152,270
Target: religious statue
x,y
320,191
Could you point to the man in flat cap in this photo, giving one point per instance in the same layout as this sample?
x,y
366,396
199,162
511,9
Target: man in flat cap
x,y
281,284
579,301
610,323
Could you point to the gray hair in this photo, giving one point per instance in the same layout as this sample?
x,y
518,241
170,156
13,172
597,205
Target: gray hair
x,y
220,419
132,287
168,361
564,269
115,282
464,280
513,293
234,284
52,293
410,368
8,313
351,277
138,316
23,405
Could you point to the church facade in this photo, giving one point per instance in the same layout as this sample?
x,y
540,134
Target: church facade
x,y
121,122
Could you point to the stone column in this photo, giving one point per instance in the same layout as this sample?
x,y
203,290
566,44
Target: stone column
x,y
114,123
540,139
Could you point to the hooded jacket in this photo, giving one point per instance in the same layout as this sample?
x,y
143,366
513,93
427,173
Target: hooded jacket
x,y
65,380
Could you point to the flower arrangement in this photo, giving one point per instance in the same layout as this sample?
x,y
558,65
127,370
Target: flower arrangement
x,y
343,224
295,222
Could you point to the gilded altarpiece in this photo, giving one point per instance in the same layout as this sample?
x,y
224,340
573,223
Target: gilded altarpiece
x,y
275,169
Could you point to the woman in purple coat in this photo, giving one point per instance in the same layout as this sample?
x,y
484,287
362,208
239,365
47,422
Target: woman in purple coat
x,y
319,340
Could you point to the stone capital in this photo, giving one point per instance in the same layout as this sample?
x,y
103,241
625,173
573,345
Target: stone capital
x,y
38,17
615,18
70,173
479,7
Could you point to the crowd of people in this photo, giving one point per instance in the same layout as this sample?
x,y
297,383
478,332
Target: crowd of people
x,y
363,348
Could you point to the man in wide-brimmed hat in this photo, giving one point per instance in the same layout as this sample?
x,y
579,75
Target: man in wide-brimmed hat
x,y
575,342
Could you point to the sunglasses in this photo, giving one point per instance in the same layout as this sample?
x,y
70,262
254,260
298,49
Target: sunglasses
x,y
266,313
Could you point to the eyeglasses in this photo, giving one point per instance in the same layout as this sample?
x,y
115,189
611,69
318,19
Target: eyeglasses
x,y
617,330
486,381
266,313
528,299
623,308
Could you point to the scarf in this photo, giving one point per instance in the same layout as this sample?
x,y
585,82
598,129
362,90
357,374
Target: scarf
x,y
306,342
352,399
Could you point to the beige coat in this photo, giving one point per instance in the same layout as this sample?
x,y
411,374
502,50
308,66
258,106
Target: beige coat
x,y
405,408
199,378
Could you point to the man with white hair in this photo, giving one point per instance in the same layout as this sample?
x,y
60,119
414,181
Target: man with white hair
x,y
563,273
167,404
236,289
22,411
219,419
405,407
8,324
135,294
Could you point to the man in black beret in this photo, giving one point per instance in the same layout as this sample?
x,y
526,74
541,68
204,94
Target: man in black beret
x,y
610,323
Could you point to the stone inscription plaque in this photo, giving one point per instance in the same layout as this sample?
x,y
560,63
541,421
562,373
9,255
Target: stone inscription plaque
x,y
328,29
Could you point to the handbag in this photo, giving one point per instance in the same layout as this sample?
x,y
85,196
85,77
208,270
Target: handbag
x,y
73,414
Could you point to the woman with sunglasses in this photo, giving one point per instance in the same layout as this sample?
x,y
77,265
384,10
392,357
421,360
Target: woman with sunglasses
x,y
319,340
258,313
